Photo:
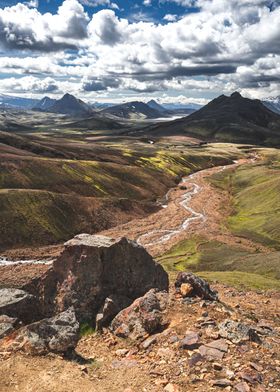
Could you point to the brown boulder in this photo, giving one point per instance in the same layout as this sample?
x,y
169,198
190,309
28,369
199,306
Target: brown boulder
x,y
142,317
57,334
92,268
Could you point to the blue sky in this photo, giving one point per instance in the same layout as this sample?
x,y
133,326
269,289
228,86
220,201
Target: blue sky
x,y
115,50
127,8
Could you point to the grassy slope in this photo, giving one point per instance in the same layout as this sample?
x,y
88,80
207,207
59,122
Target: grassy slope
x,y
254,190
45,200
228,264
255,199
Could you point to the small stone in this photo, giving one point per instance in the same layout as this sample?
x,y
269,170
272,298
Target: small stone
x,y
210,353
190,341
173,339
121,352
220,344
255,366
230,374
165,353
186,290
171,388
204,314
195,358
217,366
149,341
242,387
251,376
222,383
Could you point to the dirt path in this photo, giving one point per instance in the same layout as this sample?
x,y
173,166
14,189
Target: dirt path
x,y
193,207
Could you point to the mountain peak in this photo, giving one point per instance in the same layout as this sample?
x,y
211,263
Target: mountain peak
x,y
236,94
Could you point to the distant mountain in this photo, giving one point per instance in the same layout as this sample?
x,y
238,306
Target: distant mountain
x,y
227,119
156,106
273,104
132,110
45,104
173,109
13,102
70,105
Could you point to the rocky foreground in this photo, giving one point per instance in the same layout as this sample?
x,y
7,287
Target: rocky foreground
x,y
104,317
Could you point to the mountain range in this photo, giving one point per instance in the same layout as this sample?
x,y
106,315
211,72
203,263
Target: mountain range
x,y
273,104
70,105
227,119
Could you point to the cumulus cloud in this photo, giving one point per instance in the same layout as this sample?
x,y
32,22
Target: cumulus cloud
x,y
107,27
226,45
29,83
100,84
22,27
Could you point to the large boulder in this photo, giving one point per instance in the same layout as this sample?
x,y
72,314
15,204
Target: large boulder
x,y
92,268
19,304
143,317
57,334
191,285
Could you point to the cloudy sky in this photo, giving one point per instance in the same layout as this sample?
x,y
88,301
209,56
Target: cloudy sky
x,y
116,50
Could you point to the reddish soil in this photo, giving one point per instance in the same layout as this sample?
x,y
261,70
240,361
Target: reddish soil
x,y
104,369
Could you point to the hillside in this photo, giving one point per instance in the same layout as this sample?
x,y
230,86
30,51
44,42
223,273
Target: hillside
x,y
70,105
229,119
133,110
156,106
45,103
273,104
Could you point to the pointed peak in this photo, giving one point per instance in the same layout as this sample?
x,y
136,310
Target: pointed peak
x,y
236,94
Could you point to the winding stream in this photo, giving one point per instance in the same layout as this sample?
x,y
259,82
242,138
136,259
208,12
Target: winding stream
x,y
167,234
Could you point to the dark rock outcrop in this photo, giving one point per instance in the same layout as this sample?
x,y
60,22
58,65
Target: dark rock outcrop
x,y
19,304
144,316
197,287
57,334
93,267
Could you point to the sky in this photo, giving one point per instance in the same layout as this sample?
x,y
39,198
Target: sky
x,y
121,50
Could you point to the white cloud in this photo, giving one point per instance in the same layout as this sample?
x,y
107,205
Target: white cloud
x,y
170,17
32,3
22,27
227,45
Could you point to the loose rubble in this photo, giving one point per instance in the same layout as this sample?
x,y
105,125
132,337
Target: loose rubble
x,y
181,340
